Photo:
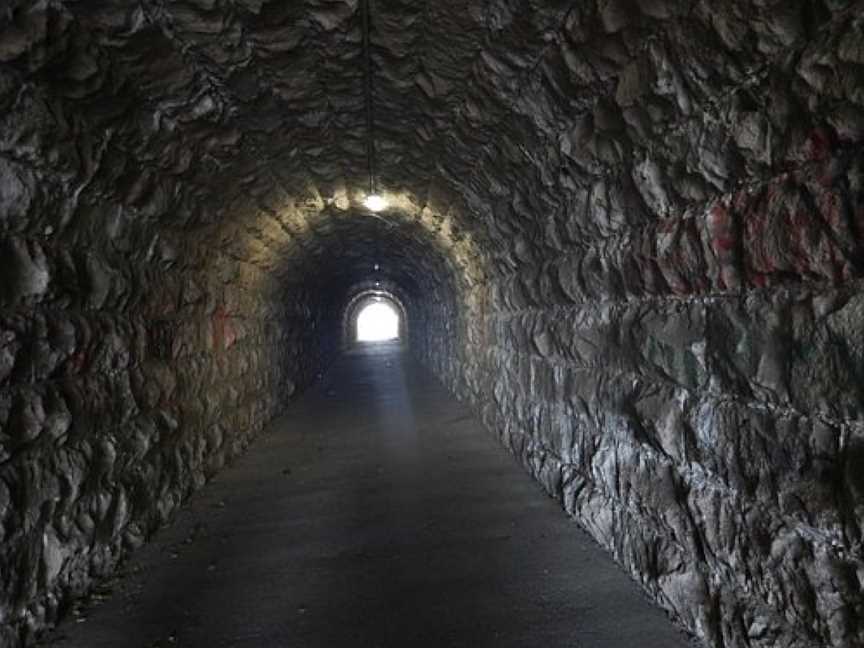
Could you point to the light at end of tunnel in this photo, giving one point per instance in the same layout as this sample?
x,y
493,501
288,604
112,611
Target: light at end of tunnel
x,y
375,203
377,322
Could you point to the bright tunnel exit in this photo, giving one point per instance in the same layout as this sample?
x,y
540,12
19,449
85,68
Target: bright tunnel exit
x,y
377,322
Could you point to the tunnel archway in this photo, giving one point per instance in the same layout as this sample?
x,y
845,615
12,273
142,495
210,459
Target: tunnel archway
x,y
367,298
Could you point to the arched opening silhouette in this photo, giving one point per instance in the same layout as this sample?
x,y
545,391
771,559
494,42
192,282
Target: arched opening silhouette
x,y
377,322
365,297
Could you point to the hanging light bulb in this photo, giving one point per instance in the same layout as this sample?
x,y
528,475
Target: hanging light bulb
x,y
375,203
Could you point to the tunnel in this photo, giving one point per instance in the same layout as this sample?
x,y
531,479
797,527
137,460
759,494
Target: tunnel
x,y
625,241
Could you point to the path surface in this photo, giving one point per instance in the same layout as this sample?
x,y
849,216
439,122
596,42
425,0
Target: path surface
x,y
377,513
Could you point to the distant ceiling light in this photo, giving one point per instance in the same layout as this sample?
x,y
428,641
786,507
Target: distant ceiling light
x,y
375,203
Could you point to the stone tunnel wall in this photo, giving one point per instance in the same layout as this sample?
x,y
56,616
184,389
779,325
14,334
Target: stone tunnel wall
x,y
134,361
144,342
122,389
664,326
675,350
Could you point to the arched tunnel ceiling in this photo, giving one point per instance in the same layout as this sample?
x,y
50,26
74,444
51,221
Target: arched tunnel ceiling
x,y
525,111
353,248
331,245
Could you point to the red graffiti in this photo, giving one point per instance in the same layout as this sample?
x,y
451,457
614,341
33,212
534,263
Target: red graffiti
x,y
76,362
224,332
724,243
819,144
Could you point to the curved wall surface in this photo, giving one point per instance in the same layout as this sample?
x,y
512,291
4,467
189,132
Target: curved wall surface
x,y
629,232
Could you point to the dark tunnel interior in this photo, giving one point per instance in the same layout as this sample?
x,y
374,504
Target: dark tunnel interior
x,y
628,233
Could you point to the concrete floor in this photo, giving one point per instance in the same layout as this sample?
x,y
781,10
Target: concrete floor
x,y
376,514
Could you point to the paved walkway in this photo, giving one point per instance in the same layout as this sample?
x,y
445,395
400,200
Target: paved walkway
x,y
377,513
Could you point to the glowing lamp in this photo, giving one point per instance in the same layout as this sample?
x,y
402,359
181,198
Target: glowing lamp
x,y
375,203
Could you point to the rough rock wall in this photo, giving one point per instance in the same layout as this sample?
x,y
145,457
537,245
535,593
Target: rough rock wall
x,y
630,230
156,311
125,382
135,361
673,347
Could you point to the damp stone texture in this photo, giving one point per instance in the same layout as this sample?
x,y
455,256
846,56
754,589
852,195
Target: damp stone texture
x,y
628,232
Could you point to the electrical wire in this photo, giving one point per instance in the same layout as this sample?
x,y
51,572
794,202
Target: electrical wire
x,y
370,118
